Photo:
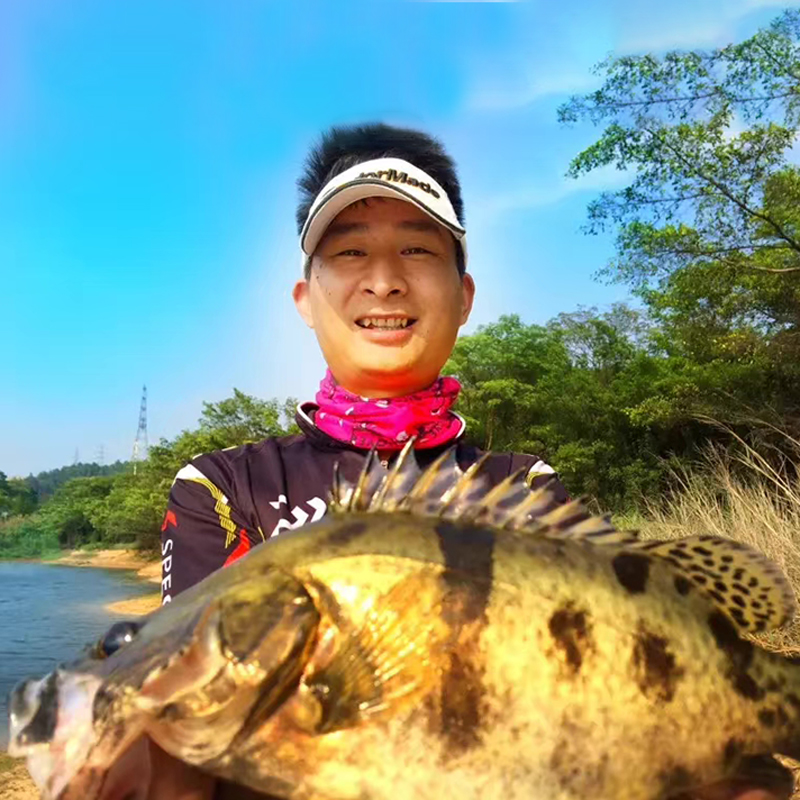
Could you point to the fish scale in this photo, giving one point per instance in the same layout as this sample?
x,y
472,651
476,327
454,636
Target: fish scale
x,y
432,637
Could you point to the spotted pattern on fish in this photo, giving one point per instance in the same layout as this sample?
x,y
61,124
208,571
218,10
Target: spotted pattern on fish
x,y
654,666
571,630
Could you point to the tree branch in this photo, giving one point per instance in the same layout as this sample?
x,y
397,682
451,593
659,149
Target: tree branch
x,y
774,271
694,98
726,192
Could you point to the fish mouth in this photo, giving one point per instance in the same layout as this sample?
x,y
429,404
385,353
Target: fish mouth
x,y
51,725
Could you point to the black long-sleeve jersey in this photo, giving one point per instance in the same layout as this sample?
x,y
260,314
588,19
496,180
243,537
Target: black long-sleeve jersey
x,y
223,503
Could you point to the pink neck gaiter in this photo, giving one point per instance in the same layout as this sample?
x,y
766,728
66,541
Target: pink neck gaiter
x,y
388,424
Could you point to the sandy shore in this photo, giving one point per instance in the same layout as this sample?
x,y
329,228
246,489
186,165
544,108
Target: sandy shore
x,y
14,780
146,569
15,783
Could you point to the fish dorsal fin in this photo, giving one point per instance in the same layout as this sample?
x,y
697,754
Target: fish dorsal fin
x,y
750,588
747,586
443,489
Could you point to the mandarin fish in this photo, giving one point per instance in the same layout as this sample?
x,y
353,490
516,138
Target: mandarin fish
x,y
433,637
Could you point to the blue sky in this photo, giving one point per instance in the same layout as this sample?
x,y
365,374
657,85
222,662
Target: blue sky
x,y
148,154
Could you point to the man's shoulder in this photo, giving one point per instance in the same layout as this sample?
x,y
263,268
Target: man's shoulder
x,y
505,463
254,454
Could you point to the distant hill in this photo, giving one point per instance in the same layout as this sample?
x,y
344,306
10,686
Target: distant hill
x,y
45,483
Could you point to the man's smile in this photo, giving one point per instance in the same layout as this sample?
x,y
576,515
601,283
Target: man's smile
x,y
393,322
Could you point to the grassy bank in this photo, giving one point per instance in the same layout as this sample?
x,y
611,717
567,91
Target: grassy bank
x,y
737,494
26,538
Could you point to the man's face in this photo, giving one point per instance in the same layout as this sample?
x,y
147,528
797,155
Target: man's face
x,y
385,298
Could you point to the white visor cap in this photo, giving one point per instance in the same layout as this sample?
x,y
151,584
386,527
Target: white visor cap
x,y
381,177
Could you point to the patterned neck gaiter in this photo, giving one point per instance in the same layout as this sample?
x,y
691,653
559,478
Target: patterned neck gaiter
x,y
387,424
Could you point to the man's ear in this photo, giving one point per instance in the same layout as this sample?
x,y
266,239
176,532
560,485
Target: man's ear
x,y
468,296
302,301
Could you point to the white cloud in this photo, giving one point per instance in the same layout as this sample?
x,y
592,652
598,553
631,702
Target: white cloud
x,y
661,29
523,74
537,83
538,196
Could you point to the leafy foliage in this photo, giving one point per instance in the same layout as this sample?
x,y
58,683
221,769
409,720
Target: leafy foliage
x,y
708,238
90,507
45,483
707,138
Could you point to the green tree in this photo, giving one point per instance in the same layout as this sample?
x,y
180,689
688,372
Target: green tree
x,y
708,230
243,418
703,134
75,509
136,504
568,391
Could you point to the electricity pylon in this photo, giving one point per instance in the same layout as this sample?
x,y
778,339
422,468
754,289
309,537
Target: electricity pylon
x,y
140,445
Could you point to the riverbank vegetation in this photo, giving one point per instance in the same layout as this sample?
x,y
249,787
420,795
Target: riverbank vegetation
x,y
680,408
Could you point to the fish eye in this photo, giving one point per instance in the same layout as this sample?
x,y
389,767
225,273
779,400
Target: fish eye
x,y
118,635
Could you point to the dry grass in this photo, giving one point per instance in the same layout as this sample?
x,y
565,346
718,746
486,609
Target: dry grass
x,y
740,494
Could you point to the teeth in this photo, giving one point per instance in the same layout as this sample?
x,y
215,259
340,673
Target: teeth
x,y
378,322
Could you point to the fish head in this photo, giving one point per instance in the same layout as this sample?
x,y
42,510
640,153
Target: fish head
x,y
196,676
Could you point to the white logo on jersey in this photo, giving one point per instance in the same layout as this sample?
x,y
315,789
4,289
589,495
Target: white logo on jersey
x,y
318,507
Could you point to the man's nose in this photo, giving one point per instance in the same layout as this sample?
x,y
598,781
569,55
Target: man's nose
x,y
384,277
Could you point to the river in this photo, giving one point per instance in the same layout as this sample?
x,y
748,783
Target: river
x,y
48,613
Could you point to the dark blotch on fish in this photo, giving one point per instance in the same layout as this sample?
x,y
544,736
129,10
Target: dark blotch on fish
x,y
468,554
767,717
462,701
570,630
170,712
676,780
732,754
739,652
654,666
346,532
632,571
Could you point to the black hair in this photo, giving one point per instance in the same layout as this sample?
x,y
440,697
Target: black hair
x,y
343,147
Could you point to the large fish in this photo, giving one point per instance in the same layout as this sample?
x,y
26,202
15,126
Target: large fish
x,y
434,639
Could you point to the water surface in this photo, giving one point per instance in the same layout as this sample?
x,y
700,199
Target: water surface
x,y
48,613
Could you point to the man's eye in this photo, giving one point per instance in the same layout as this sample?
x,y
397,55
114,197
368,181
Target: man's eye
x,y
417,251
351,252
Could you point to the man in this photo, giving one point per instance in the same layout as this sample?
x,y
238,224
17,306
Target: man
x,y
385,290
